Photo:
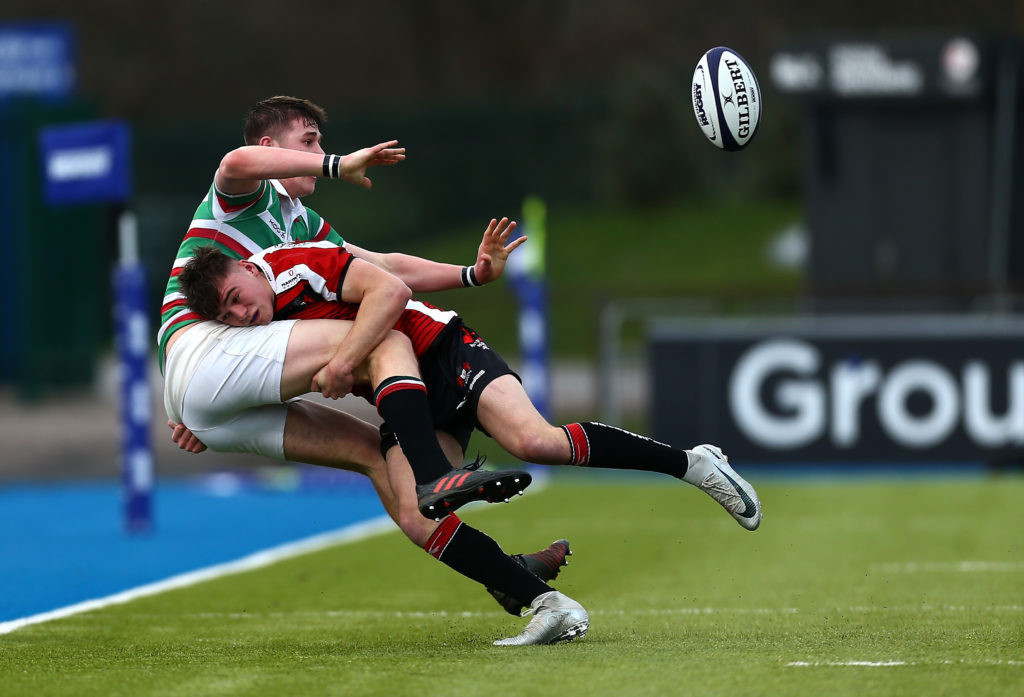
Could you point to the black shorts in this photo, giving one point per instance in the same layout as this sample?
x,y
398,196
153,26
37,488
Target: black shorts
x,y
456,369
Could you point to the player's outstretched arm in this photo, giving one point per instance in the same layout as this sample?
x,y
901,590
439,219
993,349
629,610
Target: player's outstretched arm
x,y
423,275
242,169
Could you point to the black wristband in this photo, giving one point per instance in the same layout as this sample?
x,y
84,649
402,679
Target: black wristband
x,y
332,166
469,277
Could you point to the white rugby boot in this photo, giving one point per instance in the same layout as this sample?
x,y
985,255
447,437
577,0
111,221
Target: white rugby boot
x,y
556,617
710,472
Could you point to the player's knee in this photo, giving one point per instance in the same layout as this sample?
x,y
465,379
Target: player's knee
x,y
393,356
394,344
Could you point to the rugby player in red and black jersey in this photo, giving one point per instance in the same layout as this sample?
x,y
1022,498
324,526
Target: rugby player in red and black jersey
x,y
468,385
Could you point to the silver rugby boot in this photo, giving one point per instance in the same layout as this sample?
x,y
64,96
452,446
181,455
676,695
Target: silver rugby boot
x,y
556,617
710,472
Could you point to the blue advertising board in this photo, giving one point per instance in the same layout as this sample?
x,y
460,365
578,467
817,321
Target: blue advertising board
x,y
37,59
86,163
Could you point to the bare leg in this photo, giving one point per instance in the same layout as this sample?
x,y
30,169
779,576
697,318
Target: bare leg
x,y
506,412
319,435
312,343
403,484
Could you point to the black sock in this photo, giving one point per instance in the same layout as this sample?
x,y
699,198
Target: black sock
x,y
402,403
599,445
475,555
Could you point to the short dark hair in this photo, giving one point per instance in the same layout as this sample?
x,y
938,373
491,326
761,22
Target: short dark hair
x,y
271,116
200,278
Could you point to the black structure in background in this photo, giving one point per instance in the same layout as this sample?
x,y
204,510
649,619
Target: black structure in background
x,y
843,389
913,183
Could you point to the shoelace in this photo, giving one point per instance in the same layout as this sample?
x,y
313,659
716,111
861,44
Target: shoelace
x,y
526,612
718,489
475,464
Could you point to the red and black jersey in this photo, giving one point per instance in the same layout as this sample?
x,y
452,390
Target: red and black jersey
x,y
307,278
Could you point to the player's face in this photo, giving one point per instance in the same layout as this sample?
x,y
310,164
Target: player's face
x,y
301,135
246,297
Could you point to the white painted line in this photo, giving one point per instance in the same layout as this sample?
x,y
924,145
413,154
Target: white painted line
x,y
852,609
864,664
891,664
913,567
266,557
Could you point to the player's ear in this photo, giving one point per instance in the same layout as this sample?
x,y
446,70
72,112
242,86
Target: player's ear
x,y
248,267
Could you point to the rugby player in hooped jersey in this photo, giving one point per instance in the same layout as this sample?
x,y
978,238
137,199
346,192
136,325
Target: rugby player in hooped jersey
x,y
227,384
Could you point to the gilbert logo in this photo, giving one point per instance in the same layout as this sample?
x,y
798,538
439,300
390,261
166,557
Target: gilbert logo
x,y
742,97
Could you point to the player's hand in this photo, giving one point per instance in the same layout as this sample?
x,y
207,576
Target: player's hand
x,y
332,382
185,439
494,250
354,165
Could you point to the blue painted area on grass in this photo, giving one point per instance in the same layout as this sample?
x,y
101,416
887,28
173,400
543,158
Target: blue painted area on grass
x,y
61,544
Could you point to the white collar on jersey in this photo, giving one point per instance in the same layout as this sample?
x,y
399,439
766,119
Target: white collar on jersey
x,y
281,191
291,208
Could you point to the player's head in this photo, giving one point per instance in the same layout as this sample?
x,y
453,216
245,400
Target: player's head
x,y
272,117
232,291
287,122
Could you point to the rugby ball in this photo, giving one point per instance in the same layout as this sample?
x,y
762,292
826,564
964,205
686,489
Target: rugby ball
x,y
726,99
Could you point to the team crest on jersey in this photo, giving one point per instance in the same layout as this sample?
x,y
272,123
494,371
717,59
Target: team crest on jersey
x,y
467,377
472,340
465,374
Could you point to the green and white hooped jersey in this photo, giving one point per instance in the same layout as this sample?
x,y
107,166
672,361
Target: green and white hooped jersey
x,y
240,226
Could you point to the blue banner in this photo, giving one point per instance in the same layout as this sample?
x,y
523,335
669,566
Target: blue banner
x,y
86,163
37,59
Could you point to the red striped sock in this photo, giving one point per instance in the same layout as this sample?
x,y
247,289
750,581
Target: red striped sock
x,y
593,444
579,444
439,539
475,555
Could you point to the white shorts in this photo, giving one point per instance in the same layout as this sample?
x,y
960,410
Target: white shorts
x,y
224,384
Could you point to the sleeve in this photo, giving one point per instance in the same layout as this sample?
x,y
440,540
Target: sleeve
x,y
346,261
321,265
238,206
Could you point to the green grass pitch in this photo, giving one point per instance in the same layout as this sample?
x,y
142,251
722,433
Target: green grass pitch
x,y
851,587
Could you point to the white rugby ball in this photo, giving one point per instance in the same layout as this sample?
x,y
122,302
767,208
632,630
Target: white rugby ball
x,y
726,98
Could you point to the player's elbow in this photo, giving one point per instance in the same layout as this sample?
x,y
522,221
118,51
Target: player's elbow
x,y
397,294
237,164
